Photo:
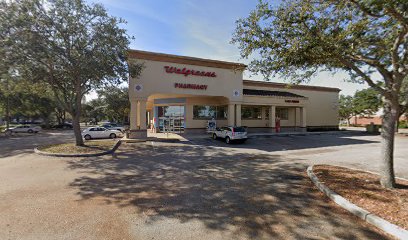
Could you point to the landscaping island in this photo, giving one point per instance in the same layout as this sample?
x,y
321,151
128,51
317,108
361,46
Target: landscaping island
x,y
91,147
364,190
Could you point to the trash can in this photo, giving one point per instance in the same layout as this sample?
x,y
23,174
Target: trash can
x,y
372,128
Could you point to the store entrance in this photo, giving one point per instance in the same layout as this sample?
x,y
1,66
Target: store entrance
x,y
171,119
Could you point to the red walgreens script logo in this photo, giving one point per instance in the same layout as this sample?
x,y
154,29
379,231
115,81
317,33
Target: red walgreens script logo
x,y
187,72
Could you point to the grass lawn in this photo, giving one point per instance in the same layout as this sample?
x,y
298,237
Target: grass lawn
x,y
95,146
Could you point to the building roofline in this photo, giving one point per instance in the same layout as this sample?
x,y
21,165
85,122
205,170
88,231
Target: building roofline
x,y
163,57
289,86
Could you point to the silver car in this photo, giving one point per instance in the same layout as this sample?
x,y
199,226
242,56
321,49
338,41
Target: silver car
x,y
24,129
231,134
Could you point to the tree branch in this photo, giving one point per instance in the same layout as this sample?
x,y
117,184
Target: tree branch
x,y
394,51
374,63
397,15
366,10
366,78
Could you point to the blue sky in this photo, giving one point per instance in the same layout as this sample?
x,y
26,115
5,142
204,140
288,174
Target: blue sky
x,y
198,29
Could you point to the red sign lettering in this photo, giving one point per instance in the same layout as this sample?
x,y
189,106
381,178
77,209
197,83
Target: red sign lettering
x,y
190,86
187,72
292,101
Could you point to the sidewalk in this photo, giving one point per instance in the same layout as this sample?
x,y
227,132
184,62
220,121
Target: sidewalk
x,y
187,137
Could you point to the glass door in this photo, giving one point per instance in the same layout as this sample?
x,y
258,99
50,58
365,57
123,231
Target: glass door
x,y
171,119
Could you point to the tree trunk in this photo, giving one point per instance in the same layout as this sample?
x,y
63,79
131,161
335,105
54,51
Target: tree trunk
x,y
79,141
46,122
387,143
76,117
8,112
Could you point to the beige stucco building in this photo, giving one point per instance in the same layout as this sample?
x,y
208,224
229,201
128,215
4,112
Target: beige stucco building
x,y
182,94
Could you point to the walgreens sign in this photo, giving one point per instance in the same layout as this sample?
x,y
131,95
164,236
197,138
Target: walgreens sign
x,y
186,72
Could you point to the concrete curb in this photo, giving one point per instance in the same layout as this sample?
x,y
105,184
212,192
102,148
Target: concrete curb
x,y
287,134
115,147
386,226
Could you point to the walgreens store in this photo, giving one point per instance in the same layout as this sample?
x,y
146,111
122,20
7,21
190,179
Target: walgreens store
x,y
183,94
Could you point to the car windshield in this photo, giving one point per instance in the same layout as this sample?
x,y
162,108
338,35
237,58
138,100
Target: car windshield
x,y
239,129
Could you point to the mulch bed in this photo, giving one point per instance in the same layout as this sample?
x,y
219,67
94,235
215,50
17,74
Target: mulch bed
x,y
70,148
364,190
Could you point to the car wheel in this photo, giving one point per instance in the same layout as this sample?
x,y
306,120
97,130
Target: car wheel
x,y
227,140
112,135
88,137
214,136
30,131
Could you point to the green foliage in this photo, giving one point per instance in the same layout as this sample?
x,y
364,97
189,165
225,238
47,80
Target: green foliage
x,y
346,109
72,46
117,105
94,110
366,102
300,37
28,100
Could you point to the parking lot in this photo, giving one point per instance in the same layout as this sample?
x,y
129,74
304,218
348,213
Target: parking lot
x,y
202,189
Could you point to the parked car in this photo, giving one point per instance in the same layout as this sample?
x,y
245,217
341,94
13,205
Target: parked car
x,y
114,126
100,132
63,126
24,129
231,134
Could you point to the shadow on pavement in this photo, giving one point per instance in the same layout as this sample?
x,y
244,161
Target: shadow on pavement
x,y
24,143
251,195
295,142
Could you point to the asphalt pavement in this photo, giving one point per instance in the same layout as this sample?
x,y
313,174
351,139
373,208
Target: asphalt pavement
x,y
201,189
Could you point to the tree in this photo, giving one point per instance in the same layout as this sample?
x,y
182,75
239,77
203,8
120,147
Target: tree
x,y
346,108
72,46
366,102
29,100
116,101
298,38
95,110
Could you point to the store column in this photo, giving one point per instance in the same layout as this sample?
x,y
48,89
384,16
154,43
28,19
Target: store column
x,y
133,114
141,124
238,115
138,127
303,123
272,116
231,114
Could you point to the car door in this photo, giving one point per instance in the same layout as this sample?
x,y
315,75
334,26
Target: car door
x,y
91,132
97,133
18,129
103,132
22,129
224,132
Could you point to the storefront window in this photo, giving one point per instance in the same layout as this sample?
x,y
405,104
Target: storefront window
x,y
266,113
282,113
210,112
171,111
251,112
222,112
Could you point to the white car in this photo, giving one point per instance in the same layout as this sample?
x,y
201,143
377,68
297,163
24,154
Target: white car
x,y
231,134
100,132
24,129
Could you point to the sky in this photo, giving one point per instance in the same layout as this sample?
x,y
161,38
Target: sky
x,y
198,29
